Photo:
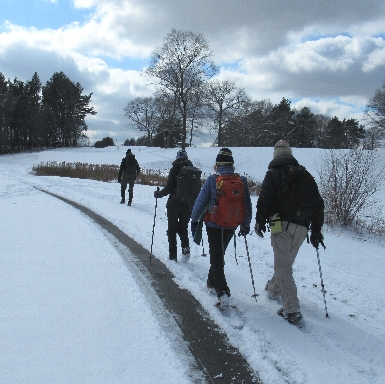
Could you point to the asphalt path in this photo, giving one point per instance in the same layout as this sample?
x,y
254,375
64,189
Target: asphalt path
x,y
218,361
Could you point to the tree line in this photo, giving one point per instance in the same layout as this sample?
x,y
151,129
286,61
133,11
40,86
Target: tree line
x,y
188,98
36,116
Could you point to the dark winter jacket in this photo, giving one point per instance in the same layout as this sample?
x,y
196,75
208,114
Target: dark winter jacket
x,y
208,194
129,168
267,204
170,188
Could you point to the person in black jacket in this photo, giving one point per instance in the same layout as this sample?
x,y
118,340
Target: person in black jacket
x,y
178,213
129,169
287,235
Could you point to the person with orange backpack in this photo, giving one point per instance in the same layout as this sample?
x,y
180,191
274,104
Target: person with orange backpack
x,y
224,203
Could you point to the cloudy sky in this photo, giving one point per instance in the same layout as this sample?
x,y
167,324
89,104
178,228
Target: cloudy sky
x,y
328,55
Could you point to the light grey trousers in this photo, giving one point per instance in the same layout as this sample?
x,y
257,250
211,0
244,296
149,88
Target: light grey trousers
x,y
286,245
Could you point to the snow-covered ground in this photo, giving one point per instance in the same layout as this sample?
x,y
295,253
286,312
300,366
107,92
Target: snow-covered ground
x,y
72,311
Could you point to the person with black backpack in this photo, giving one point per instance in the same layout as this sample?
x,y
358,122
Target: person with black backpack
x,y
290,202
129,169
223,204
179,203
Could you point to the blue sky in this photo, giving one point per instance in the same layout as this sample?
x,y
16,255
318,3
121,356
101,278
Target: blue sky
x,y
329,55
41,13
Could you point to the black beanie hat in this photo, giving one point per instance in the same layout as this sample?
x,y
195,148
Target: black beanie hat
x,y
182,154
128,151
224,157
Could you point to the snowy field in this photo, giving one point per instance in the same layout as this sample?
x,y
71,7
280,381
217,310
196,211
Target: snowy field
x,y
72,311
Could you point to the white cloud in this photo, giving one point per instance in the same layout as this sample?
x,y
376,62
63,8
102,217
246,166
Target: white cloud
x,y
85,3
320,53
376,58
96,66
341,108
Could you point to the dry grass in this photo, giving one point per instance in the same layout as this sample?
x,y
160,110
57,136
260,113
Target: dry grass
x,y
109,173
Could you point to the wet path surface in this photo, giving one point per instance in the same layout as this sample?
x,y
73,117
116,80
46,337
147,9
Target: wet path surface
x,y
208,344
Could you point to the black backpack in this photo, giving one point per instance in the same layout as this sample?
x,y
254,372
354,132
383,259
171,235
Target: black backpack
x,y
188,184
130,166
298,196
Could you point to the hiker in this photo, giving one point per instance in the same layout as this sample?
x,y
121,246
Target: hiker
x,y
130,169
287,231
178,212
219,236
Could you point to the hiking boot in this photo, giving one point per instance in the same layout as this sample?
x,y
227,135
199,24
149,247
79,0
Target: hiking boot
x,y
292,317
173,257
223,301
129,203
122,201
185,254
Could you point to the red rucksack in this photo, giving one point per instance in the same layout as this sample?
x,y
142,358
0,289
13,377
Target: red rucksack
x,y
229,209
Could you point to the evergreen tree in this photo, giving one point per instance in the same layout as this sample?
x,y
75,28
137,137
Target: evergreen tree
x,y
105,142
4,132
303,135
33,111
281,121
334,134
353,133
66,109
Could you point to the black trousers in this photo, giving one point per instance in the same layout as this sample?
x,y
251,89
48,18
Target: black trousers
x,y
130,183
178,216
218,239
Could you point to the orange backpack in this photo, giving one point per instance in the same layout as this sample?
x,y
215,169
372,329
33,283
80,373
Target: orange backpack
x,y
229,209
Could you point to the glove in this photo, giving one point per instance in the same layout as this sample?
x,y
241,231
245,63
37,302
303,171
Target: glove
x,y
317,238
194,226
157,195
119,180
259,228
243,231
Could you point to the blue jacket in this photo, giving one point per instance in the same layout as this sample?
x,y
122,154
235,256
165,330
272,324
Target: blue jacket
x,y
208,193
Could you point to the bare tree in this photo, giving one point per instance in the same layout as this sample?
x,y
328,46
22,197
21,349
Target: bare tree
x,y
144,113
322,122
375,117
168,120
196,114
223,99
348,181
182,65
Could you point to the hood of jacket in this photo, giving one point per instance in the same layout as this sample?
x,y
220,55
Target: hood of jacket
x,y
280,161
181,163
225,170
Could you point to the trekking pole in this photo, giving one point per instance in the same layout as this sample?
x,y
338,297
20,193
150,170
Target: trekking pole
x,y
322,282
203,249
153,226
251,271
235,248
